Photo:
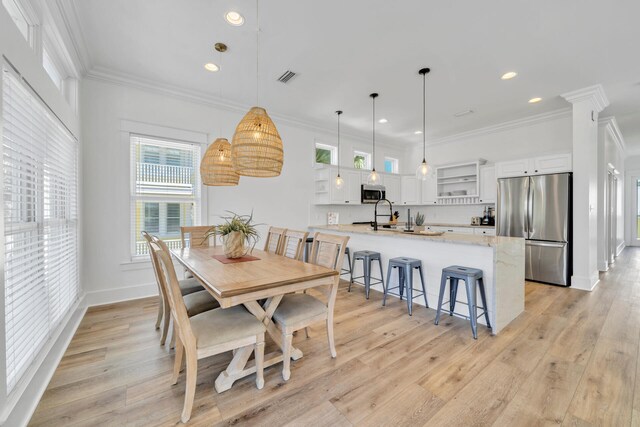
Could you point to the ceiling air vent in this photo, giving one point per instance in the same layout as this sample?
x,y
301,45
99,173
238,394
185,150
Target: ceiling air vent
x,y
286,76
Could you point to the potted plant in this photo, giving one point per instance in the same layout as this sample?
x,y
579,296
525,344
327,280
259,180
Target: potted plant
x,y
238,233
419,222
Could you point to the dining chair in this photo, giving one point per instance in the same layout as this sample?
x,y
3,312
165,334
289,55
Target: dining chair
x,y
196,299
298,311
274,240
206,334
293,244
197,236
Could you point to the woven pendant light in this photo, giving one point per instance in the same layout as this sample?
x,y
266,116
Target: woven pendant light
x,y
257,147
216,168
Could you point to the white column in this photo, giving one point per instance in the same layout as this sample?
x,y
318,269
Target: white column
x,y
587,104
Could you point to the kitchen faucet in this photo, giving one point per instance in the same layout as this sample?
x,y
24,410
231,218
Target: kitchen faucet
x,y
375,213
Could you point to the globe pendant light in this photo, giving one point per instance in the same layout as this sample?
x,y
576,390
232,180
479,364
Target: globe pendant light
x,y
216,168
257,147
339,182
373,178
423,169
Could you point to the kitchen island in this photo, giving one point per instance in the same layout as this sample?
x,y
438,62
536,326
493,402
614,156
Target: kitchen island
x,y
500,258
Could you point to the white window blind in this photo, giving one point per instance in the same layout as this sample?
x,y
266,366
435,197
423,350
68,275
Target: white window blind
x,y
165,190
40,167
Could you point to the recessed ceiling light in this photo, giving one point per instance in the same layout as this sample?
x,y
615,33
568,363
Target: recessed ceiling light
x,y
418,132
534,100
234,18
383,121
509,75
211,67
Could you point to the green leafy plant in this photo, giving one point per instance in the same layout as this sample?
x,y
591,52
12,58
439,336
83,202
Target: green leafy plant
x,y
419,219
240,223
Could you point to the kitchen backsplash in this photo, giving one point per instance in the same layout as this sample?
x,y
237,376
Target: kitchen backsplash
x,y
433,214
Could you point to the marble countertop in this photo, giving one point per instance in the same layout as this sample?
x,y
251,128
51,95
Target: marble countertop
x,y
436,224
458,238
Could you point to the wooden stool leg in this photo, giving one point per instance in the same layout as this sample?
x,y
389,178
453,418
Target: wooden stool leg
x,y
443,287
470,284
483,296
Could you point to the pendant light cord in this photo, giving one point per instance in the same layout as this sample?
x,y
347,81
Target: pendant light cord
x,y
338,159
424,117
257,53
373,165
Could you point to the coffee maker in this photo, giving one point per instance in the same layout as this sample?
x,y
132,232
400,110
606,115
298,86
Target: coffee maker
x,y
489,216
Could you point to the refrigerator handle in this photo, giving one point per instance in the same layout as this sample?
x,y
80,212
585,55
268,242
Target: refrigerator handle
x,y
529,208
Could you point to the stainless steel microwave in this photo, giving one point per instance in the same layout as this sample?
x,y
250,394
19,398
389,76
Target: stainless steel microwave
x,y
372,193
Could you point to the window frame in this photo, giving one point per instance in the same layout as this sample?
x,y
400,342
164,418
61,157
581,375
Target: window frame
x,y
367,159
130,128
333,150
395,169
30,17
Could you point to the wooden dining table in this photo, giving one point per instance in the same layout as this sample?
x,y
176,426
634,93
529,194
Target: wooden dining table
x,y
269,277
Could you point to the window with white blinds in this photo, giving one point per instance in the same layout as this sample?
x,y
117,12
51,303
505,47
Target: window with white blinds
x,y
40,167
165,190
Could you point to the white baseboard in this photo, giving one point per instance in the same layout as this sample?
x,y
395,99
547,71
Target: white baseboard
x,y
18,410
620,248
585,283
110,296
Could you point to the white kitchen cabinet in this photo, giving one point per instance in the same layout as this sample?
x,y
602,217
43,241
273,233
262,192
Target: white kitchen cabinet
x,y
409,191
488,184
554,163
485,231
326,192
513,168
429,191
393,186
352,184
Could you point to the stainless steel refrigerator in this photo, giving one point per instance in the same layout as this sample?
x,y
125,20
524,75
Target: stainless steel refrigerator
x,y
538,208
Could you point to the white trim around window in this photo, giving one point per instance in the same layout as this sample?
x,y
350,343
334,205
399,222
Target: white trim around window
x,y
132,128
367,159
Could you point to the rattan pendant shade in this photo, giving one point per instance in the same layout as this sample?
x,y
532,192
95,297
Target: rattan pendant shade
x,y
257,146
216,168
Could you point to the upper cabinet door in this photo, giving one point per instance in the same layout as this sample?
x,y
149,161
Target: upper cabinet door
x,y
552,164
410,194
511,168
393,188
352,184
430,191
488,184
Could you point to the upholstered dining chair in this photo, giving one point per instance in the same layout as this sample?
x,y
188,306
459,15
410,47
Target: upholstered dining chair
x,y
275,237
196,299
206,334
298,311
293,244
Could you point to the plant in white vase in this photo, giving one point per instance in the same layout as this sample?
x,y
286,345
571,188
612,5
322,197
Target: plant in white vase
x,y
239,235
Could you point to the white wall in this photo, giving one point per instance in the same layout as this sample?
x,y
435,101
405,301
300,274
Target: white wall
x,y
632,169
282,201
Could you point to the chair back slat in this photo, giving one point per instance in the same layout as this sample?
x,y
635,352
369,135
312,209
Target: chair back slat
x,y
293,244
169,279
196,236
274,240
328,250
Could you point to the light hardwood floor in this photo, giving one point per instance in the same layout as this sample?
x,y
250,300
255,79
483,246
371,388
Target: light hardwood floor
x,y
569,359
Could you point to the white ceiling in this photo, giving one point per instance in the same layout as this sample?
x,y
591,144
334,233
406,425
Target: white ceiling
x,y
344,50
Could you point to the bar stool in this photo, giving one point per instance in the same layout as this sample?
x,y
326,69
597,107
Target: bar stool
x,y
473,280
347,254
405,267
367,257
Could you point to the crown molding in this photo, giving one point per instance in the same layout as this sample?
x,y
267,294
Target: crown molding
x,y
611,125
71,22
501,127
594,94
105,75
